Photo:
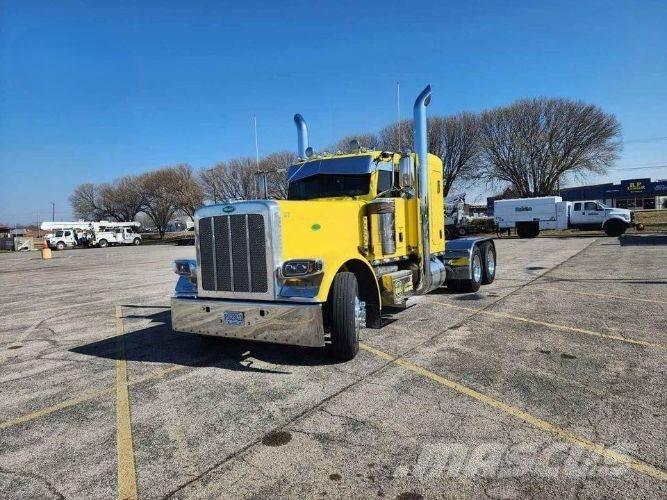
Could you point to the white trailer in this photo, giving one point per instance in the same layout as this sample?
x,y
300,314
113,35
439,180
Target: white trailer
x,y
529,216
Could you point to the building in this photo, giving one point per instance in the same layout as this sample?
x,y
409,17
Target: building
x,y
631,193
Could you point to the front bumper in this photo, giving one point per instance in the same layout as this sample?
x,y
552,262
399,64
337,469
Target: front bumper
x,y
294,324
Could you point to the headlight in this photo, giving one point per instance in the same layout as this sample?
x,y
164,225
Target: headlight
x,y
186,267
302,267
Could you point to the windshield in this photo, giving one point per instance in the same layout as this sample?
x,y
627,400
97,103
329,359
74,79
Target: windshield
x,y
329,185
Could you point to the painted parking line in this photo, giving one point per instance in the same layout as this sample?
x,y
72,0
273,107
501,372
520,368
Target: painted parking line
x,y
559,432
126,475
601,295
555,326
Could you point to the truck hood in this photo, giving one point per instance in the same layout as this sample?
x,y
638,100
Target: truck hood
x,y
317,229
618,212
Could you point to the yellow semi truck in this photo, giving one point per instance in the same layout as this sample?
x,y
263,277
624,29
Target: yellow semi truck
x,y
360,232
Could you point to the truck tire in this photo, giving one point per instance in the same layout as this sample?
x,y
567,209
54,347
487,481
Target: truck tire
x,y
489,257
475,281
614,227
60,245
136,242
345,323
527,229
103,243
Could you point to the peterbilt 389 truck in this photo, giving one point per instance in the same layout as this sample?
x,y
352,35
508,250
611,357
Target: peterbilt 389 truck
x,y
360,232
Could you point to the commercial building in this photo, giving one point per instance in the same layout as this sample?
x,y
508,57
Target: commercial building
x,y
631,193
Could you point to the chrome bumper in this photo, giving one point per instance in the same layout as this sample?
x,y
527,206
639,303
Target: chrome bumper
x,y
294,324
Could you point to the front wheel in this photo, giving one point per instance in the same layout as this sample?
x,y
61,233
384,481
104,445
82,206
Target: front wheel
x,y
60,245
614,227
136,242
103,243
345,320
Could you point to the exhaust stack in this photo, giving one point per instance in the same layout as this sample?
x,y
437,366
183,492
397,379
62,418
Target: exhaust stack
x,y
302,134
421,147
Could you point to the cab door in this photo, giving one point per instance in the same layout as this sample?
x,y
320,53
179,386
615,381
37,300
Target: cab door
x,y
587,214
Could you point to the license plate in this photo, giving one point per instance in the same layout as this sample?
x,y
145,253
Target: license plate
x,y
234,318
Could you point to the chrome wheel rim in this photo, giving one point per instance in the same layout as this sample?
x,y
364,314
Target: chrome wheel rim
x,y
490,263
476,268
359,314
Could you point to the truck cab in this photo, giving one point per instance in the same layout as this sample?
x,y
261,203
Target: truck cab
x,y
360,231
61,239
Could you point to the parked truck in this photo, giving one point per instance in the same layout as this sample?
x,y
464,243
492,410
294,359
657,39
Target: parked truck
x,y
531,215
359,232
90,234
459,224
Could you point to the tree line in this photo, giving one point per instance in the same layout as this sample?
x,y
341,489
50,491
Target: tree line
x,y
527,148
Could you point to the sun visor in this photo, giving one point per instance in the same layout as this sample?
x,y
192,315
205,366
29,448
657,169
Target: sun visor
x,y
346,165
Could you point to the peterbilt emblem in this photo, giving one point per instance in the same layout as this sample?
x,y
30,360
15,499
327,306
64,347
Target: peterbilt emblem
x,y
228,209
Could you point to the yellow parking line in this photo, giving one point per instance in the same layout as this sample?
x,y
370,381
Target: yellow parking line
x,y
87,396
556,326
602,295
127,476
559,432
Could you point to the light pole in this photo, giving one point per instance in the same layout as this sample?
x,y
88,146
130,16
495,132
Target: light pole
x,y
53,211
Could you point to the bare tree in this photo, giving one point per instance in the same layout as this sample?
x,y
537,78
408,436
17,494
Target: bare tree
x,y
161,203
454,139
85,201
188,193
122,200
276,164
231,180
397,136
368,141
532,144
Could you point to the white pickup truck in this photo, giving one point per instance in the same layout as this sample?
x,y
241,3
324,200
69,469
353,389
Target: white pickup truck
x,y
531,215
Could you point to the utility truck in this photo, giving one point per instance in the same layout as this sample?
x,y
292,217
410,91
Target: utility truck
x,y
458,223
90,234
360,231
531,215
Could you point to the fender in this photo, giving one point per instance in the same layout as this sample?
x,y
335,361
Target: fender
x,y
369,290
616,217
458,256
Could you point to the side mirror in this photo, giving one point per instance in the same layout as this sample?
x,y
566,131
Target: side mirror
x,y
406,172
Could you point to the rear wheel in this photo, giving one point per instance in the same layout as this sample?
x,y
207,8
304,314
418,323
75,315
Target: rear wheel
x,y
103,243
345,321
614,227
527,229
136,242
473,283
489,254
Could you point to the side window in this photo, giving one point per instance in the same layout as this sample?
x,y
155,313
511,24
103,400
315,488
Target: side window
x,y
577,206
384,180
591,205
68,233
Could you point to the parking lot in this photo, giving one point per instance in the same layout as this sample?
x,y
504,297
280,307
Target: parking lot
x,y
549,383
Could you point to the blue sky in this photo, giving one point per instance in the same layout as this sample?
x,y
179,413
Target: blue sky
x,y
90,90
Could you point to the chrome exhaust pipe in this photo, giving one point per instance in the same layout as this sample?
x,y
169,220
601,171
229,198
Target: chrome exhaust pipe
x,y
421,148
302,134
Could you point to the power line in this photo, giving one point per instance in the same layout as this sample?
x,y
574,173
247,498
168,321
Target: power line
x,y
648,139
643,167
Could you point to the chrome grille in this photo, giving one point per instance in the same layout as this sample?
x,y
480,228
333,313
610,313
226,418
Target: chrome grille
x,y
232,252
